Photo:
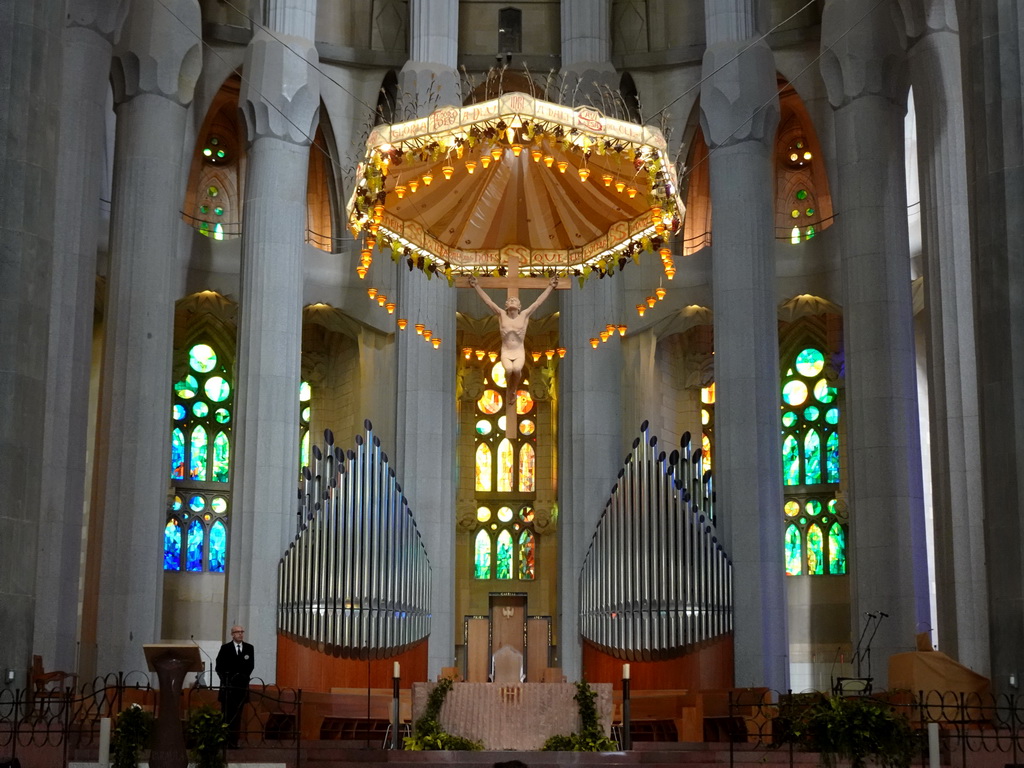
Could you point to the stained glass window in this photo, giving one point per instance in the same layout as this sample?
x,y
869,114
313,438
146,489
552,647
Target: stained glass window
x,y
221,457
505,466
504,559
177,454
197,468
172,545
707,420
815,550
194,555
527,463
482,556
812,457
305,412
832,458
794,554
483,467
526,544
836,549
790,461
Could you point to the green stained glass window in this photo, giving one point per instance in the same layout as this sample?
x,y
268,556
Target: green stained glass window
x,y
200,409
187,387
813,507
790,461
794,236
794,553
794,392
809,233
304,450
172,545
483,467
832,416
823,393
815,550
177,454
221,457
482,556
202,358
178,412
198,444
812,457
305,392
810,212
222,415
836,549
220,211
811,413
527,465
832,458
218,546
526,548
801,194
219,505
789,419
217,389
505,465
810,362
504,558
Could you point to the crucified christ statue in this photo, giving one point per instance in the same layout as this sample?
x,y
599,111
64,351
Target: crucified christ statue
x,y
512,322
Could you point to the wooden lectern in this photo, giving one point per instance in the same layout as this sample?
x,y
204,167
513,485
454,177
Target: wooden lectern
x,y
171,663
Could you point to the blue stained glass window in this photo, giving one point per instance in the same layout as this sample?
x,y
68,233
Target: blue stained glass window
x,y
178,412
790,461
504,555
794,556
836,549
177,454
172,545
218,546
815,551
812,457
194,553
221,457
197,468
832,458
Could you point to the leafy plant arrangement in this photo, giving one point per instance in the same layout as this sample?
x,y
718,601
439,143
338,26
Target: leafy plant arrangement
x,y
590,737
131,735
207,736
855,729
427,733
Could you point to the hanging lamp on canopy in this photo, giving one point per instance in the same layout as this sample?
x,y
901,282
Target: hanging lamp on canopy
x,y
515,209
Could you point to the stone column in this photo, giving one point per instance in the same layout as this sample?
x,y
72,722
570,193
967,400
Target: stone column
x,y
993,49
156,64
280,101
82,126
590,441
864,72
30,79
587,72
425,415
933,44
739,115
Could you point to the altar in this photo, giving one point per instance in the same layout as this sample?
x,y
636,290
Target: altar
x,y
520,716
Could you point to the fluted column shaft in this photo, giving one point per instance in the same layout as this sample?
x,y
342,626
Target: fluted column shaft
x,y
296,18
993,36
739,115
86,55
29,102
590,441
864,73
280,101
934,58
430,78
155,69
586,32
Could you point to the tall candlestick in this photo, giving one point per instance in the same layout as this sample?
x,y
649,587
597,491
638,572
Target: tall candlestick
x,y
398,670
625,671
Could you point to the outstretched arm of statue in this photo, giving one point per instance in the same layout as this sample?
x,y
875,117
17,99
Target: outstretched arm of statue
x,y
552,284
486,299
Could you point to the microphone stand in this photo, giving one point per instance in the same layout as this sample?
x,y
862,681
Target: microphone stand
x,y
201,677
857,653
867,649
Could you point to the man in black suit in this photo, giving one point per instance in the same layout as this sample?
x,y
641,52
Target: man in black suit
x,y
235,661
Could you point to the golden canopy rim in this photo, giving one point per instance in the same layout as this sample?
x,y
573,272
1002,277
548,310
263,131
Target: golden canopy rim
x,y
553,189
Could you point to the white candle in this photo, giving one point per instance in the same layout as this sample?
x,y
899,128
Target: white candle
x,y
398,670
625,671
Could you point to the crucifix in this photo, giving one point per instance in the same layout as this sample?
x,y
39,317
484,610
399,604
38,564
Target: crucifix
x,y
512,322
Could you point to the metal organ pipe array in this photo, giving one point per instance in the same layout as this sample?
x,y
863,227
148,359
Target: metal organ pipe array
x,y
356,577
656,580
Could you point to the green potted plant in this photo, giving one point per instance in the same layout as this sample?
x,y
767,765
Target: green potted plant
x,y
427,733
207,736
132,733
590,737
856,729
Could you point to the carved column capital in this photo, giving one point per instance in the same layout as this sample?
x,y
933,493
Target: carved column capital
x,y
861,52
738,100
159,51
918,18
104,17
280,94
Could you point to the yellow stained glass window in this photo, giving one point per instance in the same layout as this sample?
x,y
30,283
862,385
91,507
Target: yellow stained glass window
x,y
527,466
505,465
483,467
